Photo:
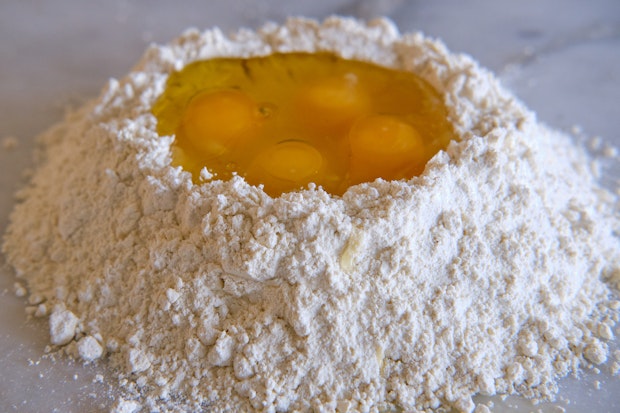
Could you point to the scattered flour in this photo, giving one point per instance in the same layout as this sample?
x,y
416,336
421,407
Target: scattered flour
x,y
490,273
62,326
89,348
9,143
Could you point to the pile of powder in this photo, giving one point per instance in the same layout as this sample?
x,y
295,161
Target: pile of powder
x,y
489,273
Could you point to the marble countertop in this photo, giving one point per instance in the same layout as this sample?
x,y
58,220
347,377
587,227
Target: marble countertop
x,y
561,57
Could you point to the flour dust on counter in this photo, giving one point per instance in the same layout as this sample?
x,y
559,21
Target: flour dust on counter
x,y
492,272
9,143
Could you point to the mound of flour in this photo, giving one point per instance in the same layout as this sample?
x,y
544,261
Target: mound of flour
x,y
490,273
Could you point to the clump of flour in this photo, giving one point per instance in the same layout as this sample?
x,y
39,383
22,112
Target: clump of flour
x,y
487,274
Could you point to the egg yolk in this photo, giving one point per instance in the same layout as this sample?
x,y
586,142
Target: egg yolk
x,y
332,102
384,146
216,122
287,120
285,166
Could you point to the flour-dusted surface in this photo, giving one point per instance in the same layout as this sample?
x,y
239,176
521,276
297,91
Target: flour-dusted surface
x,y
481,276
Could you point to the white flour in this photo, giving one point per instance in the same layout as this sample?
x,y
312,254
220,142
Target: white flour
x,y
484,275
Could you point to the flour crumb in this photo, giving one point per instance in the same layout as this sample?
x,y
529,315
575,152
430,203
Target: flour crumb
x,y
610,151
20,290
41,311
594,143
481,408
126,406
62,326
89,349
605,331
596,352
137,361
9,143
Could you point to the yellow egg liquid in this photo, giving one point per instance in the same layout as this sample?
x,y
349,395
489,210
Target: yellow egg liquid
x,y
286,120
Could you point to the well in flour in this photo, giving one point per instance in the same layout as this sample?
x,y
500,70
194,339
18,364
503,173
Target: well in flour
x,y
489,273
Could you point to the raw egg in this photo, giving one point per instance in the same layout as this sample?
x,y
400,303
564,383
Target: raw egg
x,y
286,120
